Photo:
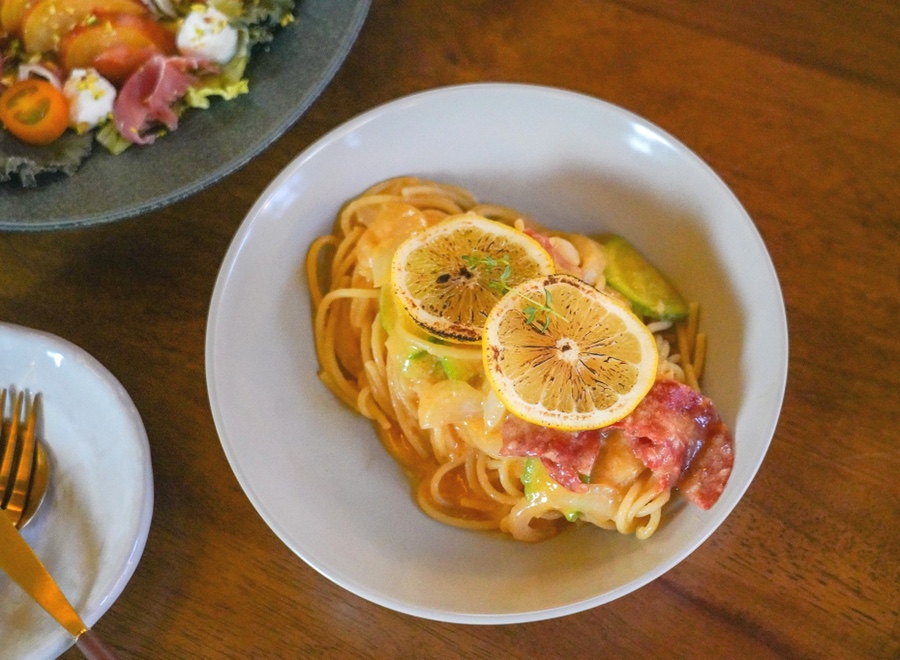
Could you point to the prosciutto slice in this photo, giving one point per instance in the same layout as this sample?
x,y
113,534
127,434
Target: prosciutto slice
x,y
148,96
675,431
558,257
566,455
678,434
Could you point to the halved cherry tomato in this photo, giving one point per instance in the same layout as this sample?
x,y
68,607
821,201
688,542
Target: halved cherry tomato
x,y
12,12
47,20
115,44
34,111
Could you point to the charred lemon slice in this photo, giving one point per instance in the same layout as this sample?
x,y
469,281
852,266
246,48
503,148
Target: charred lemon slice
x,y
449,276
561,354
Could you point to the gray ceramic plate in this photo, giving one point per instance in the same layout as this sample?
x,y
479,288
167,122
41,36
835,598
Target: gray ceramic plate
x,y
208,144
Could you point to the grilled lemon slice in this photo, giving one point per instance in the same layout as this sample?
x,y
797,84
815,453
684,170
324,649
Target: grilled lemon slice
x,y
561,354
449,276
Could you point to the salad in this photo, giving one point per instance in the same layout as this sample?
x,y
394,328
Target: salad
x,y
118,72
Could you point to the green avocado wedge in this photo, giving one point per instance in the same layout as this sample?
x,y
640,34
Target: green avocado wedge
x,y
648,290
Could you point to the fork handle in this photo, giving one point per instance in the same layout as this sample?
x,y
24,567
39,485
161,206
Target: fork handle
x,y
93,648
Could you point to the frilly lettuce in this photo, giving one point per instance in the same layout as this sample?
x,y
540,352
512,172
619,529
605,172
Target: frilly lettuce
x,y
260,17
26,162
228,82
108,135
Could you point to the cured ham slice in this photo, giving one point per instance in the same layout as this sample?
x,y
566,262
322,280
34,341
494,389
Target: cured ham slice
x,y
678,433
562,262
148,96
675,431
566,455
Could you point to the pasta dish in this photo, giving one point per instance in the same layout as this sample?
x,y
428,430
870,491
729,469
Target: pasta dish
x,y
497,400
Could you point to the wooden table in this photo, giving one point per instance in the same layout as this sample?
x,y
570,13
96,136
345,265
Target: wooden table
x,y
796,106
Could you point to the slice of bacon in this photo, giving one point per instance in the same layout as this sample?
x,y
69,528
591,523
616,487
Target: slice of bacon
x,y
148,96
678,433
567,456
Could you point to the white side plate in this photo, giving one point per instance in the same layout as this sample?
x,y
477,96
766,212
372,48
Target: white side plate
x,y
91,528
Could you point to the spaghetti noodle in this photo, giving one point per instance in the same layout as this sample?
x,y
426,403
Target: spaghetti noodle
x,y
429,401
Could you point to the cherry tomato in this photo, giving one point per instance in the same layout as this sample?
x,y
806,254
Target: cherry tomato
x,y
115,44
34,111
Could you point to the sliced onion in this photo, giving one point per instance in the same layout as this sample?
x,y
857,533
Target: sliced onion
x,y
161,7
28,70
448,402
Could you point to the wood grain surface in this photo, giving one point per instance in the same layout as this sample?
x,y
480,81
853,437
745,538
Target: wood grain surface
x,y
794,104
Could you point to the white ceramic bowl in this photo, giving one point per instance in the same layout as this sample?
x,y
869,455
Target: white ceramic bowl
x,y
316,472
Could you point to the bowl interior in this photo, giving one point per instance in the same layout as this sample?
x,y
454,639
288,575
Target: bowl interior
x,y
317,473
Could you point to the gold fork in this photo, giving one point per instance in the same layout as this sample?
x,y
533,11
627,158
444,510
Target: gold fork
x,y
24,469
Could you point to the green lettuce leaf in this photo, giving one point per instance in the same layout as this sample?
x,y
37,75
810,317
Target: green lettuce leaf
x,y
261,18
228,83
108,135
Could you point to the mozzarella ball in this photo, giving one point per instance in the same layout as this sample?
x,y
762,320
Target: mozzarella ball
x,y
206,34
91,98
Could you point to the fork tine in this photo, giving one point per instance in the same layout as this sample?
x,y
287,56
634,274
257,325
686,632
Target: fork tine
x,y
6,461
23,480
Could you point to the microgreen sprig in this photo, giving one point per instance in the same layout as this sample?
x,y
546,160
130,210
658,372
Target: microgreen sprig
x,y
501,286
